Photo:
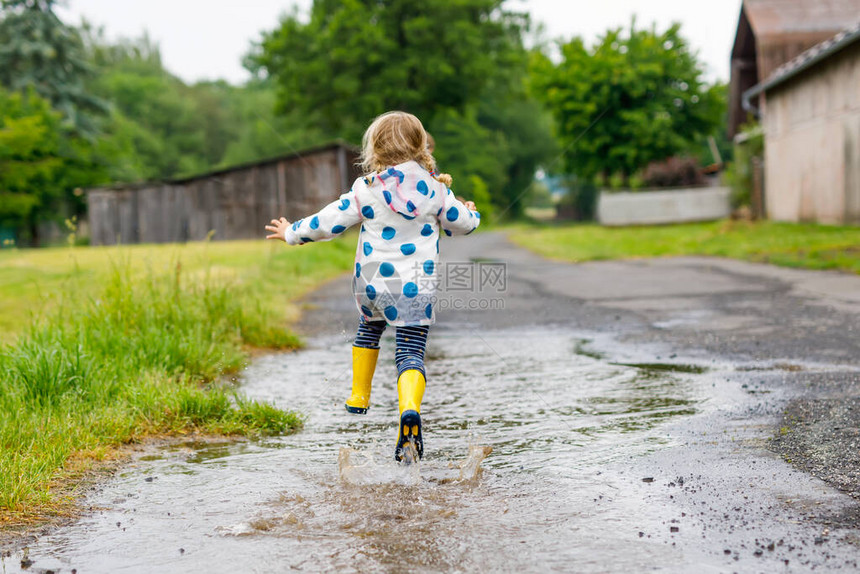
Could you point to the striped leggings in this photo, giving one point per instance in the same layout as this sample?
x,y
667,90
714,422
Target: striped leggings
x,y
411,343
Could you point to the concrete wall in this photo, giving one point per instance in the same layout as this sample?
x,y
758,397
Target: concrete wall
x,y
812,144
234,204
658,207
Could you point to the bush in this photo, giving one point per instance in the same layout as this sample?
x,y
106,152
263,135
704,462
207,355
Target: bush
x,y
673,172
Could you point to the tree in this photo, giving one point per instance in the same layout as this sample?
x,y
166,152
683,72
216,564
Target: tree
x,y
29,160
263,133
459,65
37,50
354,59
526,130
631,99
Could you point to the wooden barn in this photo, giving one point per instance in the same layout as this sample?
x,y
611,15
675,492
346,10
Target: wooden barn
x,y
772,32
231,203
810,115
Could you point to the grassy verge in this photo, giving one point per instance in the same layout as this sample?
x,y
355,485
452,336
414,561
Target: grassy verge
x,y
33,281
131,344
790,245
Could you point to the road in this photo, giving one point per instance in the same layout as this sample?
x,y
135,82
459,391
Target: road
x,y
677,415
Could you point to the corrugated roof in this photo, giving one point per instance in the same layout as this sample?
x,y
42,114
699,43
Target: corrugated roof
x,y
806,60
778,17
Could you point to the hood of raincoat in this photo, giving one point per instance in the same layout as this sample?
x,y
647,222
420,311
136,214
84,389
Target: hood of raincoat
x,y
406,188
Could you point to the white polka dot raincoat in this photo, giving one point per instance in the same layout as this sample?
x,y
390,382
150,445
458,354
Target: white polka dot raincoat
x,y
402,211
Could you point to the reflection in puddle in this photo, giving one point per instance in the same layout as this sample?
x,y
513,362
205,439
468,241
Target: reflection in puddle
x,y
332,497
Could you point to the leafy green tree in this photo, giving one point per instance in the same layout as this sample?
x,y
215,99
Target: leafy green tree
x,y
526,130
263,133
29,161
354,59
459,65
38,50
634,97
170,128
718,100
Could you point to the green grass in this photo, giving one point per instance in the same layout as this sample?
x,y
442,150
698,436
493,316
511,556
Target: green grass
x,y
32,281
130,343
787,244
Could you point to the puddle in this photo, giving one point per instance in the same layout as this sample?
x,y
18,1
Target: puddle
x,y
518,433
669,367
788,367
581,348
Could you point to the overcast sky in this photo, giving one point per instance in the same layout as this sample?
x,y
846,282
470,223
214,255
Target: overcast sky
x,y
206,39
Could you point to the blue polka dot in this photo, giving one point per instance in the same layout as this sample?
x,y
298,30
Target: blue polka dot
x,y
386,269
367,212
437,246
410,289
391,312
422,187
388,233
427,230
410,206
357,269
306,239
362,227
315,222
429,266
344,205
448,233
409,217
478,214
387,196
368,248
296,224
438,213
428,310
371,292
452,214
338,229
367,312
407,248
432,195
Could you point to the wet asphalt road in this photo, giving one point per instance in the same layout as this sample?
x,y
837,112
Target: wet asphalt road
x,y
779,444
678,415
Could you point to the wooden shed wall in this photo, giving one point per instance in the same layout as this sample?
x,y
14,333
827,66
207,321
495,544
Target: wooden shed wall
x,y
812,145
234,204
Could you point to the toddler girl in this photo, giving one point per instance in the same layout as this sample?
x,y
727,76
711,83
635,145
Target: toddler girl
x,y
402,208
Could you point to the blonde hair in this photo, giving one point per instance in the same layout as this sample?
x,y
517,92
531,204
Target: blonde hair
x,y
443,177
393,138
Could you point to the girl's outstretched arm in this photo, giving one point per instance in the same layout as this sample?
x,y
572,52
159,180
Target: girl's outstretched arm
x,y
458,218
328,223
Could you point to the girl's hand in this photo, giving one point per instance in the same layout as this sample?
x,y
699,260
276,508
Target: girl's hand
x,y
470,205
278,227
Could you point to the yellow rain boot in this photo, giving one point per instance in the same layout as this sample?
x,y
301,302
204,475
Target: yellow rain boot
x,y
363,366
410,391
